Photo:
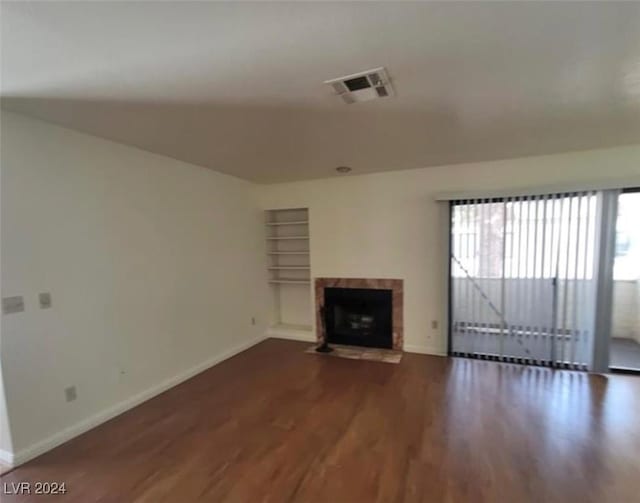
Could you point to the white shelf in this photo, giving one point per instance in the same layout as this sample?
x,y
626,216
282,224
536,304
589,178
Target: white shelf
x,y
300,222
284,238
303,252
293,332
290,281
290,267
289,272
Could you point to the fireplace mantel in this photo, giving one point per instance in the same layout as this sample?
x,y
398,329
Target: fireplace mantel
x,y
395,285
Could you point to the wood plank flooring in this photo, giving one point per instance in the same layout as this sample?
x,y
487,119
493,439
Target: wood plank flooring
x,y
275,424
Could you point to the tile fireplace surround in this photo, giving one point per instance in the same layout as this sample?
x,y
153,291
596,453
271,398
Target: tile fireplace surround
x,y
395,285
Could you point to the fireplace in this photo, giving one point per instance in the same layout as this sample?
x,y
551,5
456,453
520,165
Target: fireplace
x,y
360,312
358,317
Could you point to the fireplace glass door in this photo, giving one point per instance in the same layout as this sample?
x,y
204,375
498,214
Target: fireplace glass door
x,y
359,316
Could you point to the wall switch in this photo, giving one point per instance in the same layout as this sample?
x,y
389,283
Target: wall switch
x,y
45,300
434,324
11,305
253,321
70,393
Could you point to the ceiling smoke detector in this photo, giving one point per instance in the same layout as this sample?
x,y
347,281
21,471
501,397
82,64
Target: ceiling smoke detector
x,y
363,86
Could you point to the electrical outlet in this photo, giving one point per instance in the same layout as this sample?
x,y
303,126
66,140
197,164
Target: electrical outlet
x,y
434,324
11,305
70,393
45,300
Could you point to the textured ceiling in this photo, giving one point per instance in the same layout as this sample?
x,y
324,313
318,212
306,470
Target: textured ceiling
x,y
238,86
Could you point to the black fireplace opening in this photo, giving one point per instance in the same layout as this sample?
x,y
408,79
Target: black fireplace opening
x,y
359,317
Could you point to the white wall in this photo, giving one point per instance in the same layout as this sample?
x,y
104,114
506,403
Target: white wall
x,y
155,268
638,310
6,447
388,225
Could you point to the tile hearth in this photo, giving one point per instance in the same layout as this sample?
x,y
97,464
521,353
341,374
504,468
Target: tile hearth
x,y
361,353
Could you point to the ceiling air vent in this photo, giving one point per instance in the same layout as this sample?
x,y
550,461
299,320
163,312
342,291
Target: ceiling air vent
x,y
363,86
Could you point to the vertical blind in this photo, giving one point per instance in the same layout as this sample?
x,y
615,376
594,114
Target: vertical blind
x,y
523,278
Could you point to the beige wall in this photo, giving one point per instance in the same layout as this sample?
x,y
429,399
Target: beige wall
x,y
155,269
388,225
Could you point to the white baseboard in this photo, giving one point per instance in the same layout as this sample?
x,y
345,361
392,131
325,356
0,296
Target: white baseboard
x,y
72,431
291,332
6,458
423,350
292,337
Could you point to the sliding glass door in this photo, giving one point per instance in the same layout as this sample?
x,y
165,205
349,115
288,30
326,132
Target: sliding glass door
x,y
523,278
625,316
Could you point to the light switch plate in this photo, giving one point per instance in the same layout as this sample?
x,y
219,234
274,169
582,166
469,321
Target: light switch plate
x,y
45,300
11,305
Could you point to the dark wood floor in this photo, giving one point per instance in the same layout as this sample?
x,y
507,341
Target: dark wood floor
x,y
276,424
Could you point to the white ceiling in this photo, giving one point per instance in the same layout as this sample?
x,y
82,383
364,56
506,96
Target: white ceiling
x,y
238,86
